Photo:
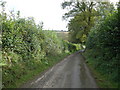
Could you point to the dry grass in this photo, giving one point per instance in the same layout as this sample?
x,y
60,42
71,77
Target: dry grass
x,y
63,34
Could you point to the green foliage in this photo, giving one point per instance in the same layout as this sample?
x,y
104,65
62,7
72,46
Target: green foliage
x,y
105,8
84,16
79,27
103,48
71,47
53,44
25,47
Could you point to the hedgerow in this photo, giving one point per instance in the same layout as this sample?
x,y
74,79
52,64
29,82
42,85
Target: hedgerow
x,y
103,47
25,46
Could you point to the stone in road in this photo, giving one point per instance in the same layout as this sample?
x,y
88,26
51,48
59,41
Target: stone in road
x,y
71,72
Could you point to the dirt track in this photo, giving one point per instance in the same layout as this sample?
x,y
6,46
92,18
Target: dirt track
x,y
71,72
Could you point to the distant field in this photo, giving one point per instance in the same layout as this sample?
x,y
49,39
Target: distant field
x,y
63,34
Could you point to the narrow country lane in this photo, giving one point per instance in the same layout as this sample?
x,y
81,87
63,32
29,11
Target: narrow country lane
x,y
71,72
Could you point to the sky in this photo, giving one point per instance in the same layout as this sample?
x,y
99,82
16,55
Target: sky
x,y
48,11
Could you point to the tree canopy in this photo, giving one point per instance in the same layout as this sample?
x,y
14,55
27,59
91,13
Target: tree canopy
x,y
83,16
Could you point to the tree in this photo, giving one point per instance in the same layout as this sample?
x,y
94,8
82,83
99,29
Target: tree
x,y
79,27
84,15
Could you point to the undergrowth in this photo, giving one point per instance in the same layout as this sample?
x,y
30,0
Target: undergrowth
x,y
31,74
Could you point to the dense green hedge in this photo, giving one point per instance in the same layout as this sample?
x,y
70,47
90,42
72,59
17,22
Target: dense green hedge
x,y
103,47
25,46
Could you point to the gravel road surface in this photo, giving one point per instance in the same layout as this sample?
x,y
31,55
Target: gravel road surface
x,y
72,72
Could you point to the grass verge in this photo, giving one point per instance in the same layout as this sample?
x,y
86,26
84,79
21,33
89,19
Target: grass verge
x,y
31,74
101,79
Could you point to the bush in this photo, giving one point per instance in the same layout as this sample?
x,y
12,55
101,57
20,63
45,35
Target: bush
x,y
25,46
102,45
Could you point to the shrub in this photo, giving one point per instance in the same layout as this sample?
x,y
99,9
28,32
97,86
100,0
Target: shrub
x,y
102,45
